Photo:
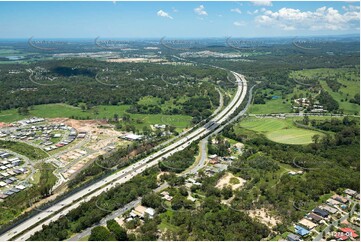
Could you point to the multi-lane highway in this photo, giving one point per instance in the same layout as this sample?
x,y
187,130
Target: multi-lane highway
x,y
28,227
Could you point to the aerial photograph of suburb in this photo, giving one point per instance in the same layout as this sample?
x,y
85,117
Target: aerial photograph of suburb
x,y
167,120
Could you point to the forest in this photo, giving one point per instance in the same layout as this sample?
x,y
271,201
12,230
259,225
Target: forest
x,y
86,82
325,163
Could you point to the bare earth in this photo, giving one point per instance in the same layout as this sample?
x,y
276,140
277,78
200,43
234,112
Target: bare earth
x,y
100,136
225,181
264,217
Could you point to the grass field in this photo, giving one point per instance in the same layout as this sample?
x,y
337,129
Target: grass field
x,y
347,107
279,130
23,149
348,77
99,112
278,105
148,100
271,106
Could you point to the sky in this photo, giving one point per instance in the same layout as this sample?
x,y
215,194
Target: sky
x,y
177,19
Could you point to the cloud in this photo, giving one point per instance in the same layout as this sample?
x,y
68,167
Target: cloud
x,y
239,23
236,10
255,11
262,3
200,10
161,13
174,10
324,18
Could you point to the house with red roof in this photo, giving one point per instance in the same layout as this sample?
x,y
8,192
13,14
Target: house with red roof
x,y
346,234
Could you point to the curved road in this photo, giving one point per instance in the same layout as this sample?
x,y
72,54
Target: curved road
x,y
28,227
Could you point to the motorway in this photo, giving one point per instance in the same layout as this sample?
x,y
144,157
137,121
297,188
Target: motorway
x,y
28,227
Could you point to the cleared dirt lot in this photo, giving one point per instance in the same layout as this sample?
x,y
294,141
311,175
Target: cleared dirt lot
x,y
264,217
100,139
226,180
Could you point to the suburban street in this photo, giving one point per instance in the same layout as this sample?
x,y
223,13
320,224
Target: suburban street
x,y
28,227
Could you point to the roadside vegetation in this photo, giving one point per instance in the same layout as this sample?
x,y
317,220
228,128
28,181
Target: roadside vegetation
x,y
40,188
24,149
92,212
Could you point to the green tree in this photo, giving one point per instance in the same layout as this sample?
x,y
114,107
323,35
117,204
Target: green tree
x,y
100,233
119,232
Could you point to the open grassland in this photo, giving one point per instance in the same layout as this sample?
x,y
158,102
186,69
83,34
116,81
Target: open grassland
x,y
271,106
292,136
347,77
99,112
279,130
346,106
24,149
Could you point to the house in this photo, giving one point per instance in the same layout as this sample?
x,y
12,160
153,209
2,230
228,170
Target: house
x,y
17,172
16,162
141,211
293,173
159,126
3,196
314,218
9,193
346,234
150,212
14,190
138,211
293,237
301,231
329,209
4,155
164,193
8,181
13,179
332,202
212,156
321,212
215,160
5,174
340,198
20,187
307,224
350,192
82,135
166,196
11,173
132,137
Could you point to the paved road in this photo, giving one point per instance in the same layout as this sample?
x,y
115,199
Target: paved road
x,y
335,223
192,170
129,206
115,214
28,227
203,157
303,115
